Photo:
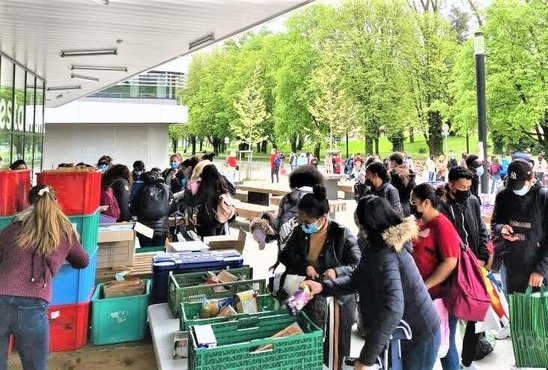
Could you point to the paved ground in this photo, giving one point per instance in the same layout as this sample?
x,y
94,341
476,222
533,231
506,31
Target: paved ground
x,y
501,359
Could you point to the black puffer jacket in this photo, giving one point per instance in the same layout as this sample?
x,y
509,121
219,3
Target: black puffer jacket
x,y
388,192
121,190
152,206
528,215
391,289
466,217
403,179
341,252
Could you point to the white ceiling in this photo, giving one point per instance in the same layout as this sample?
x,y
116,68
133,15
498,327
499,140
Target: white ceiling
x,y
33,32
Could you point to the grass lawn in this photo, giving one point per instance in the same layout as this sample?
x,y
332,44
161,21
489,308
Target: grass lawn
x,y
417,150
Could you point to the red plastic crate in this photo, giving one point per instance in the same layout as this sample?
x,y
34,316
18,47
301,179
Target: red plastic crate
x,y
68,326
14,191
78,192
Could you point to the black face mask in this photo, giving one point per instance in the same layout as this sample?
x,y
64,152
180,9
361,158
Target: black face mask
x,y
369,182
461,195
414,212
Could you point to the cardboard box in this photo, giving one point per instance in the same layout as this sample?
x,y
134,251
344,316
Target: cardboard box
x,y
116,245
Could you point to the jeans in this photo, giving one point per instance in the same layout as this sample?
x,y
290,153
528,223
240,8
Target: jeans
x,y
452,361
431,176
422,356
275,172
26,319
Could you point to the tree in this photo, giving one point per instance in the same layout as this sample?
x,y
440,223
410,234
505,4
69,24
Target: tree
x,y
177,132
516,74
251,109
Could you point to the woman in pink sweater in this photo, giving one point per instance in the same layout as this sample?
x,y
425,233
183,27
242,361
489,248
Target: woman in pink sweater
x,y
32,251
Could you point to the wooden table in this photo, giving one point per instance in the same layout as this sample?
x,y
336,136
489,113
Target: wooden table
x,y
141,268
331,185
259,193
347,187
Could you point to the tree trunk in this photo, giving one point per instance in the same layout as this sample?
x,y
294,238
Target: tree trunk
x,y
435,142
498,143
317,149
175,143
293,141
264,147
411,135
397,141
300,143
368,146
377,151
193,143
201,145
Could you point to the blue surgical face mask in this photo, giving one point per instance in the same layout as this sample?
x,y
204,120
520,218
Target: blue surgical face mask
x,y
479,171
102,167
524,190
310,229
174,165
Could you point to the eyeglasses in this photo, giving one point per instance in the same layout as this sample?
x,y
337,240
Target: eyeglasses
x,y
307,222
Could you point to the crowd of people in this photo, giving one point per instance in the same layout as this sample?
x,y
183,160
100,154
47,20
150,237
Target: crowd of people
x,y
398,266
411,236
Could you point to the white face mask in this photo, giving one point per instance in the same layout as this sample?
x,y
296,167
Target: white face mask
x,y
524,190
479,171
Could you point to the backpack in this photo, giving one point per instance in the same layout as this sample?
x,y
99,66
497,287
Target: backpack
x,y
494,169
108,199
225,208
154,201
504,163
466,297
278,161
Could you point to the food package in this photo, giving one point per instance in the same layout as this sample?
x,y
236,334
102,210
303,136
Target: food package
x,y
227,311
205,338
291,330
226,277
213,307
246,302
180,345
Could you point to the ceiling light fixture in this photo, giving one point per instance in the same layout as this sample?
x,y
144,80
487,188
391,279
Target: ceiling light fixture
x,y
82,77
87,52
200,42
104,2
59,96
68,87
98,68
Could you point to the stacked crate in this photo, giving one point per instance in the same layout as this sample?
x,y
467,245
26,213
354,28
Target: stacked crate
x,y
14,192
78,194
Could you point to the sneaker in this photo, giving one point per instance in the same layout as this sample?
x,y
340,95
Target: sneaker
x,y
472,366
502,333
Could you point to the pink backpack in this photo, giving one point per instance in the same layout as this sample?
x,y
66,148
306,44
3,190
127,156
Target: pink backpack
x,y
108,199
466,296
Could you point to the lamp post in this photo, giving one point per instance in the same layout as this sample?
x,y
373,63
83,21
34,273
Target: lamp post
x,y
479,52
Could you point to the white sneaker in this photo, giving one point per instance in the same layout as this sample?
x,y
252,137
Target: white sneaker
x,y
502,333
472,366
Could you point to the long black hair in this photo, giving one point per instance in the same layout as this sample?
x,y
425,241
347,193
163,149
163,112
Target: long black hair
x,y
379,169
426,191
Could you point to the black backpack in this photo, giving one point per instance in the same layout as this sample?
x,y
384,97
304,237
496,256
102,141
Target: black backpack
x,y
154,201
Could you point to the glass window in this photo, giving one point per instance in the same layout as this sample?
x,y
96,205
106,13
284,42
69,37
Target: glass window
x,y
19,104
29,142
17,147
5,146
6,94
37,153
39,112
29,103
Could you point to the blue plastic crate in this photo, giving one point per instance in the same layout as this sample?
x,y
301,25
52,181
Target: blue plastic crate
x,y
72,285
87,227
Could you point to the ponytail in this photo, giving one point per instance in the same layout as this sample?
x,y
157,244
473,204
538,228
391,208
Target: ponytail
x,y
45,226
315,204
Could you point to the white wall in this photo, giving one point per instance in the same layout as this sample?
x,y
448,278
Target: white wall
x,y
125,143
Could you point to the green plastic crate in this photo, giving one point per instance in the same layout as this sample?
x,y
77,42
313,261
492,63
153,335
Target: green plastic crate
x,y
178,282
117,320
87,227
237,341
150,249
191,311
5,221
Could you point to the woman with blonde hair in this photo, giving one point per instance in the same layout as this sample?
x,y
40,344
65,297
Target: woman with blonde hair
x,y
32,251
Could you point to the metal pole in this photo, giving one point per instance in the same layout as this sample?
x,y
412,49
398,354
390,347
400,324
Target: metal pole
x,y
479,51
347,156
